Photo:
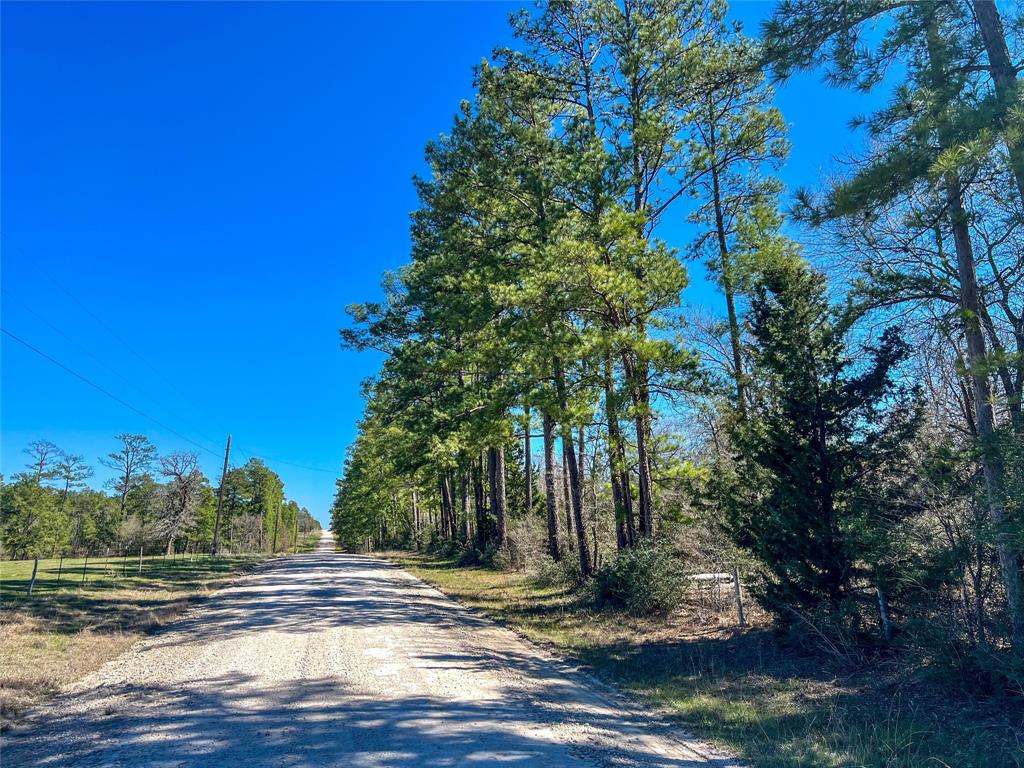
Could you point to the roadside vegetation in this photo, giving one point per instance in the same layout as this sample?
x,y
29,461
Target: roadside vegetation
x,y
308,541
836,445
85,573
772,704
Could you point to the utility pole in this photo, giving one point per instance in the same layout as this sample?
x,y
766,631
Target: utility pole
x,y
277,519
528,456
220,499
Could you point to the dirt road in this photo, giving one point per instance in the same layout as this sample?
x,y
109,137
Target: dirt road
x,y
341,660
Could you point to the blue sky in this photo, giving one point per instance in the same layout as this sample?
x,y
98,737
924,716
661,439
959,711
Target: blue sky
x,y
192,193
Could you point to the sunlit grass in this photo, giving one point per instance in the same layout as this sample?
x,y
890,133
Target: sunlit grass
x,y
122,572
308,543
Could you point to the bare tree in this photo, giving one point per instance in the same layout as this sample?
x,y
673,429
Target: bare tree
x,y
182,495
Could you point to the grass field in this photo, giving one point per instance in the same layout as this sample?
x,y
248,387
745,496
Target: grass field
x,y
82,614
741,690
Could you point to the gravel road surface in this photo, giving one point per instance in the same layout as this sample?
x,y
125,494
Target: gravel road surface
x,y
341,660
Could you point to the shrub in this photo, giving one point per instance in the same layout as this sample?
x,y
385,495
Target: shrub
x,y
645,580
523,549
527,539
488,555
504,558
558,573
442,547
471,556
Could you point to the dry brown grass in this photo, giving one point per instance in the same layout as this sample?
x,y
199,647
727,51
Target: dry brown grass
x,y
37,663
62,634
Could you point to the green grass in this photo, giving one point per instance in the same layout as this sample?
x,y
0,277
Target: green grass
x,y
744,692
100,572
68,627
308,544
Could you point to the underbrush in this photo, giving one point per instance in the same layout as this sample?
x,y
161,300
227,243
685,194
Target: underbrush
x,y
645,579
559,573
773,704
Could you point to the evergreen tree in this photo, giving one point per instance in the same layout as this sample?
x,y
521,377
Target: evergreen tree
x,y
31,520
932,143
132,463
811,498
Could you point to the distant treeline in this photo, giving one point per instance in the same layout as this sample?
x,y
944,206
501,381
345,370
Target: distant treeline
x,y
153,504
845,429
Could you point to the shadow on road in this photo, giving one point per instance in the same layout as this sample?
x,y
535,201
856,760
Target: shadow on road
x,y
235,722
304,593
477,696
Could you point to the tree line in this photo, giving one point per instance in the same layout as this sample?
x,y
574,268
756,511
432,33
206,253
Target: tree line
x,y
845,426
154,503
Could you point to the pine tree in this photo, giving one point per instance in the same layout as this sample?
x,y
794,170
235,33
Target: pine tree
x,y
737,137
932,142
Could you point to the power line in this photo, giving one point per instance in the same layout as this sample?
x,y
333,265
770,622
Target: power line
x,y
130,382
99,321
292,463
108,393
138,355
153,419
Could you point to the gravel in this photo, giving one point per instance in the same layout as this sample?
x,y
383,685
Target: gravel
x,y
342,660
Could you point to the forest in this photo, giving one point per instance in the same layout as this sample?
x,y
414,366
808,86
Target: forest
x,y
153,504
842,433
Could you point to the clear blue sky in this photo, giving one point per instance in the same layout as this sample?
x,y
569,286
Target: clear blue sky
x,y
192,193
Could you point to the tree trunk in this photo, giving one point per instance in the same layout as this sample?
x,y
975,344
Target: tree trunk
x,y
447,508
277,520
478,496
883,614
416,520
496,471
575,480
453,528
581,443
570,542
728,287
442,517
491,502
576,495
642,418
550,493
467,527
979,594
1004,77
616,460
984,417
